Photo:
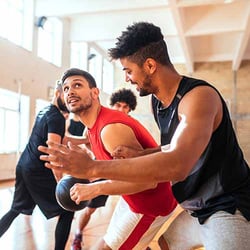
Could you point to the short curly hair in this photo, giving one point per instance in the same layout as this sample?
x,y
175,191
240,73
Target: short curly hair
x,y
124,95
139,42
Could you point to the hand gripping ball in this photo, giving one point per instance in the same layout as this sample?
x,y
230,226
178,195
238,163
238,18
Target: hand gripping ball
x,y
63,193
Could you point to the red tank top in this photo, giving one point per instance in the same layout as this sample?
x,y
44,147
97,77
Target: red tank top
x,y
153,202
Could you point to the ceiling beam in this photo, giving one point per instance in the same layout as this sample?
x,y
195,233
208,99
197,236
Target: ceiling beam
x,y
242,44
187,50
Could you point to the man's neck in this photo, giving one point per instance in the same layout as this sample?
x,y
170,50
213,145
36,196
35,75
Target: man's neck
x,y
89,117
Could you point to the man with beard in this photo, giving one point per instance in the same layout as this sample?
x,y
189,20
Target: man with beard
x,y
36,185
143,207
203,159
123,100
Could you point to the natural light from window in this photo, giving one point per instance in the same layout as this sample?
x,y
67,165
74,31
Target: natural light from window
x,y
50,41
16,21
79,52
14,125
108,76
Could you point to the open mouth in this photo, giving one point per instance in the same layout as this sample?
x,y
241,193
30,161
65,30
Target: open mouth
x,y
73,100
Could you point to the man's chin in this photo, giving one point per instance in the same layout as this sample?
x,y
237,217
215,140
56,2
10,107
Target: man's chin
x,y
143,92
72,109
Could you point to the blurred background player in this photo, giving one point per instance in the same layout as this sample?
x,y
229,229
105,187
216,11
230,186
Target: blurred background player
x,y
123,100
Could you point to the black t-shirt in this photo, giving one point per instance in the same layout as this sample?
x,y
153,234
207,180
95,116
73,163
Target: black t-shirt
x,y
48,120
76,128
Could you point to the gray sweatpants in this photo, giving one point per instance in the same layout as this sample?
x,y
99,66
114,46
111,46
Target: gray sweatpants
x,y
224,231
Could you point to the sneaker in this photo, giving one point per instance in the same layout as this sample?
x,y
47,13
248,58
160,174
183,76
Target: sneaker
x,y
77,243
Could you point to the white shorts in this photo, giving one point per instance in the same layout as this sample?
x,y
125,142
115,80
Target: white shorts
x,y
129,230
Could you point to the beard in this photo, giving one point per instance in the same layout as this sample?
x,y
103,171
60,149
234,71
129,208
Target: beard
x,y
61,105
146,86
84,107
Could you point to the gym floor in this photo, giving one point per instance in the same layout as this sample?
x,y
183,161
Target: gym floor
x,y
36,233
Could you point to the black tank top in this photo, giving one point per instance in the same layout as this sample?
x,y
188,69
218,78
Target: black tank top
x,y
220,180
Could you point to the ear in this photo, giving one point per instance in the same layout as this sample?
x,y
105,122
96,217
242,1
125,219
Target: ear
x,y
95,93
57,93
150,65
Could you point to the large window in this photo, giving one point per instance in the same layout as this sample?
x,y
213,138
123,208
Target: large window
x,y
16,21
102,70
95,63
50,41
14,116
79,52
95,66
40,104
108,76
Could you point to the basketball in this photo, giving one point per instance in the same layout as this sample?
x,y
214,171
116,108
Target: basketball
x,y
63,193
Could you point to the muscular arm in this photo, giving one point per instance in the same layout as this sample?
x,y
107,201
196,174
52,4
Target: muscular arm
x,y
113,135
76,140
80,192
123,151
200,113
57,139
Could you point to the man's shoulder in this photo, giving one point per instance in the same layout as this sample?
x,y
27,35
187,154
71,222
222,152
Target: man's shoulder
x,y
113,114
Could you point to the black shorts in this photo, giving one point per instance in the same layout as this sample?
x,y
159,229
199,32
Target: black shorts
x,y
36,188
99,201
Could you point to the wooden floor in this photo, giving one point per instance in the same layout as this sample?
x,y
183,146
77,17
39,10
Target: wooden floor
x,y
36,233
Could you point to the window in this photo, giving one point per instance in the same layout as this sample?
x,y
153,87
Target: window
x,y
50,41
95,66
16,21
40,104
95,63
79,51
14,115
108,76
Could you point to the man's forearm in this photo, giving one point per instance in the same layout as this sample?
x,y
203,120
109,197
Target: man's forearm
x,y
148,151
110,187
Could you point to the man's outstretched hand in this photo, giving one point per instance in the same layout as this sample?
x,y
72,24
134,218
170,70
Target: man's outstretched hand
x,y
68,159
